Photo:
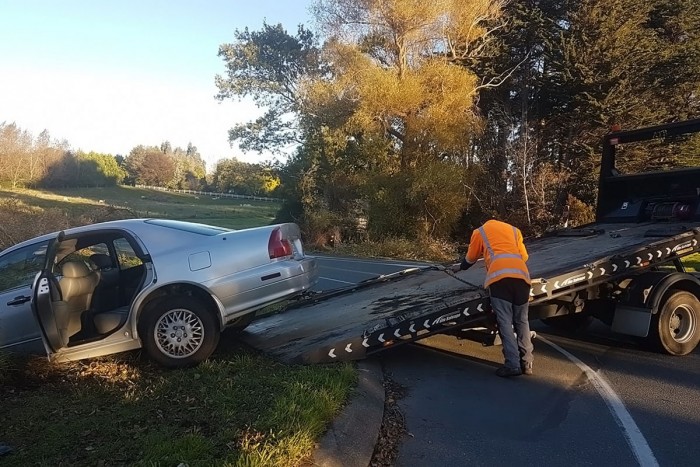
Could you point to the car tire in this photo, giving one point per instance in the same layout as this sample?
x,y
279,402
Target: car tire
x,y
179,332
675,329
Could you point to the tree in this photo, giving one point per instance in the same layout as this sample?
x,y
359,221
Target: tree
x,y
397,99
234,176
150,166
96,169
15,150
268,66
627,62
394,71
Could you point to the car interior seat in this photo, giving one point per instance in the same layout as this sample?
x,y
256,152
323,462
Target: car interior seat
x,y
77,286
107,315
106,295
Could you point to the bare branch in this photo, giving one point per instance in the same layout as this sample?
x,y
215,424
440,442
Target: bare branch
x,y
496,81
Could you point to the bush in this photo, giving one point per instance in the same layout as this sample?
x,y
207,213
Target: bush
x,y
580,213
401,248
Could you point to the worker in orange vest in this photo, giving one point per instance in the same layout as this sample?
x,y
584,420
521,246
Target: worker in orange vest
x,y
508,281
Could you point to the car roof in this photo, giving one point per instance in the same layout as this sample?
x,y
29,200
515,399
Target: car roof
x,y
120,224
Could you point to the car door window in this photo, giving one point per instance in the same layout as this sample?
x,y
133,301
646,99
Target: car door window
x,y
126,255
17,269
84,255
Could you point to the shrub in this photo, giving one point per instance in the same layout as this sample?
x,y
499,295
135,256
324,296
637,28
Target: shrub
x,y
401,248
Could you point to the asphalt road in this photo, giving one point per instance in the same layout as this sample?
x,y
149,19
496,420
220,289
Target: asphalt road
x,y
338,272
634,408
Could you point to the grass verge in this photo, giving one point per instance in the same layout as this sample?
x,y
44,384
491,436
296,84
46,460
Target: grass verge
x,y
692,262
140,202
401,249
238,408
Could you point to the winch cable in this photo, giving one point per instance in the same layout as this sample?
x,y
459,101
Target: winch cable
x,y
449,272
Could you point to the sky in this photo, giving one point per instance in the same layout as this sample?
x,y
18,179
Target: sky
x,y
109,75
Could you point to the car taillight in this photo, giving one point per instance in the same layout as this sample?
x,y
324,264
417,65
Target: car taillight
x,y
277,246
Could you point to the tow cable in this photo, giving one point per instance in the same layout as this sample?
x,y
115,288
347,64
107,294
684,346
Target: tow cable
x,y
449,272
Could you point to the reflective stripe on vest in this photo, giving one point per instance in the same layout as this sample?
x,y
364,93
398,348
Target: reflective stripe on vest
x,y
500,272
501,255
493,257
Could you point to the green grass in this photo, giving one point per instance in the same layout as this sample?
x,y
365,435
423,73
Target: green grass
x,y
692,262
140,202
238,408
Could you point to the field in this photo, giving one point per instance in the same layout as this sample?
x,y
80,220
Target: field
x,y
692,262
140,202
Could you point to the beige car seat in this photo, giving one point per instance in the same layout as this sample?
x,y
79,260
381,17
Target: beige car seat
x,y
77,286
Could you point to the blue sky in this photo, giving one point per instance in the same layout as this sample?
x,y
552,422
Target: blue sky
x,y
107,76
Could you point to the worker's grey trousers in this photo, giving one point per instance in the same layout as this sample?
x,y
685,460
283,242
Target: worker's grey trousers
x,y
511,316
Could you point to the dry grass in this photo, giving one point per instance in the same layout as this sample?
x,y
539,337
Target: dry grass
x,y
399,248
49,211
20,221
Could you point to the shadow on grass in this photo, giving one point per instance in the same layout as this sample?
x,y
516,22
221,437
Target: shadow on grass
x,y
237,408
230,213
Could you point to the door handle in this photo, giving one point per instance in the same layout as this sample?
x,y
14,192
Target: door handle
x,y
19,300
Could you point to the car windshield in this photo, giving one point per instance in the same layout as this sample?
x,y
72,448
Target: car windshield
x,y
191,227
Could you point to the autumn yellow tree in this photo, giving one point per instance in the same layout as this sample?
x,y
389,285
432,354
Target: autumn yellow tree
x,y
396,73
396,81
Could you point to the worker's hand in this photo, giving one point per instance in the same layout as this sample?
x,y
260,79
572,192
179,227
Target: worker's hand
x,y
455,267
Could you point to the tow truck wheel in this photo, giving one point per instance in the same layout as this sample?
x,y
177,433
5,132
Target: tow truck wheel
x,y
676,328
179,332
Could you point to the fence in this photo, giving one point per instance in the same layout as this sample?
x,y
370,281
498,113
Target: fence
x,y
212,194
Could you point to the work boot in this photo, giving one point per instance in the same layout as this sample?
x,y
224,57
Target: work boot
x,y
505,372
526,368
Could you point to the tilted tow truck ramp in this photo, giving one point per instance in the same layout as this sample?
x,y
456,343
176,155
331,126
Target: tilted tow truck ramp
x,y
354,323
357,317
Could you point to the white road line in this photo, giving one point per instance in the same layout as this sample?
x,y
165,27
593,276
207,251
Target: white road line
x,y
336,280
635,438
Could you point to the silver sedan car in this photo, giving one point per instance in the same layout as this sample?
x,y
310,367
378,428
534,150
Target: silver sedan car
x,y
167,286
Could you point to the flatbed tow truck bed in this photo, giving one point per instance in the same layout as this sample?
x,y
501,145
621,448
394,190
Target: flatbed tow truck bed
x,y
356,322
608,270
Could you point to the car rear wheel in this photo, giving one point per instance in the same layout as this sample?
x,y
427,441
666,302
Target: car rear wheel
x,y
179,332
676,328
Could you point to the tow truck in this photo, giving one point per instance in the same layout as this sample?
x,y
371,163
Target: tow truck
x,y
624,269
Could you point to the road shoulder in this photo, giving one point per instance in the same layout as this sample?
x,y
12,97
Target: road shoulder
x,y
351,438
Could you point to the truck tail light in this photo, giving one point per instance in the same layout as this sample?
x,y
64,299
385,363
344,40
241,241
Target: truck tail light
x,y
277,246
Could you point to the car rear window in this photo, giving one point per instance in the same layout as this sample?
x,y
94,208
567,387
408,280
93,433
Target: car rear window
x,y
191,227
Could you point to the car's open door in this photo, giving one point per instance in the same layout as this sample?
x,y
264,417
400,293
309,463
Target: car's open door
x,y
44,291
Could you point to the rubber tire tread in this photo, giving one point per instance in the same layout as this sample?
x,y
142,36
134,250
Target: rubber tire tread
x,y
660,333
161,307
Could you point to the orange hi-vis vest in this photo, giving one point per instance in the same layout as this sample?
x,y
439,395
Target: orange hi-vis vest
x,y
503,250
